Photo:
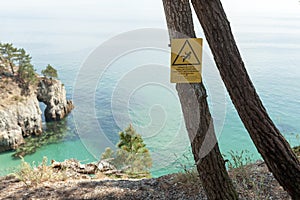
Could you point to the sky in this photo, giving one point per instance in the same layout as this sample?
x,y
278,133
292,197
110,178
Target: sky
x,y
75,17
117,8
262,6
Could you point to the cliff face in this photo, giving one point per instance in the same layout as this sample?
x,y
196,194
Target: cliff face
x,y
20,116
53,94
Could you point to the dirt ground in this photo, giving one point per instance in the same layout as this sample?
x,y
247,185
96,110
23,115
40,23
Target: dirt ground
x,y
252,182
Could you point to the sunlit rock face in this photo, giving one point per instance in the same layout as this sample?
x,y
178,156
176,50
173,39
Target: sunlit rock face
x,y
53,94
19,118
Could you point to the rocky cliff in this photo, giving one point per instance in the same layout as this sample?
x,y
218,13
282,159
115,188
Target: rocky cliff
x,y
19,120
53,94
20,115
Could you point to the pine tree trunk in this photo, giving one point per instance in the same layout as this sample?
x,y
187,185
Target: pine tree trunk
x,y
12,67
198,120
274,149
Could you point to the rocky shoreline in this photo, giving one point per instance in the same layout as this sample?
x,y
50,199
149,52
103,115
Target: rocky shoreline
x,y
21,116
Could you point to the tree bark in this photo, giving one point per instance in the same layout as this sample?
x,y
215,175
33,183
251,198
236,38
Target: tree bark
x,y
274,149
198,120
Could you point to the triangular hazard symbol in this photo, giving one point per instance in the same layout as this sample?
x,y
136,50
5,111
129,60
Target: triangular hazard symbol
x,y
186,56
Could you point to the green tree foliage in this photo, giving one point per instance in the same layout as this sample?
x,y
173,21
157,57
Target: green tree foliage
x,y
132,153
50,72
109,153
7,50
27,73
18,58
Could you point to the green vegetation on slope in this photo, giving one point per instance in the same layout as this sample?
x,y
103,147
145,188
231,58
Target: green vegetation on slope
x,y
132,155
15,62
50,72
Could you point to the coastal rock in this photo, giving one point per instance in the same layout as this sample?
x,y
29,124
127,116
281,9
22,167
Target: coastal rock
x,y
21,116
53,94
18,119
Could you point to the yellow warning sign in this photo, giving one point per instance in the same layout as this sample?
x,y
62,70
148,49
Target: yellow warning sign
x,y
186,60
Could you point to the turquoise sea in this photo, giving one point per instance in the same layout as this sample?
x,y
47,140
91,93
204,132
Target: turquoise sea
x,y
269,44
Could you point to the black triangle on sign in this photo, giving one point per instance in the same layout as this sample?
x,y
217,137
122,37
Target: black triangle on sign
x,y
186,56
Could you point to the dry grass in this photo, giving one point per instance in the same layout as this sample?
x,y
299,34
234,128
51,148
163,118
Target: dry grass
x,y
42,182
32,175
10,91
100,175
252,180
188,178
17,98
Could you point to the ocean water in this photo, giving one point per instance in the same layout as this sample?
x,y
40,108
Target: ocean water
x,y
134,88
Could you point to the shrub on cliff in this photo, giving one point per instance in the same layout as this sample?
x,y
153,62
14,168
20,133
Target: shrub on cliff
x,y
132,154
27,73
50,72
